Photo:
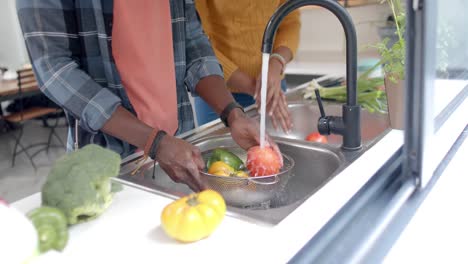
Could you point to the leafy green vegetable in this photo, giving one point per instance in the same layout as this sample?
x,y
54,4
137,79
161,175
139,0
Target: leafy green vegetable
x,y
51,226
370,95
80,184
393,58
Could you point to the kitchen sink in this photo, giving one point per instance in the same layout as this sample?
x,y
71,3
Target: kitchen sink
x,y
315,165
305,115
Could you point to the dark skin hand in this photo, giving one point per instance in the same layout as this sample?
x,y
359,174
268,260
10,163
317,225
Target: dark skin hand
x,y
182,161
244,130
277,107
179,159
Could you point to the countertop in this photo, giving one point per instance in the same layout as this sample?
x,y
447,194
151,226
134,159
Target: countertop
x,y
438,232
129,231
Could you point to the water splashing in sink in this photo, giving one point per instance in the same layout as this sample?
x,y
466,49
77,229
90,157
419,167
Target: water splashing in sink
x,y
263,94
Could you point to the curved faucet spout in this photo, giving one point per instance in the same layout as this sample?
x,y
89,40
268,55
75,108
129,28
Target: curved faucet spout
x,y
351,111
348,26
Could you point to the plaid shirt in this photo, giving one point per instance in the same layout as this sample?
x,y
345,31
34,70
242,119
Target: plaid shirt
x,y
69,44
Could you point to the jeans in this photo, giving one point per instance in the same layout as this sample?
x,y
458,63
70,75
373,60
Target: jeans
x,y
205,114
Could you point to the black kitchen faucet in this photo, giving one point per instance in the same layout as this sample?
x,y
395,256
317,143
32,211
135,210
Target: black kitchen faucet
x,y
349,125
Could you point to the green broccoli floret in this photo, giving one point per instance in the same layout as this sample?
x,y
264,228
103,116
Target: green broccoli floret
x,y
79,183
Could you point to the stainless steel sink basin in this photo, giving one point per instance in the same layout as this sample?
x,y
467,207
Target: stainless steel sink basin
x,y
314,166
302,181
305,115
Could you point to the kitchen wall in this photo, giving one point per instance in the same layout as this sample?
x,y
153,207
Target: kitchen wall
x,y
321,32
322,46
12,49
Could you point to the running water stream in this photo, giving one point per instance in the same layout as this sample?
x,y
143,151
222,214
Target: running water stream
x,y
263,95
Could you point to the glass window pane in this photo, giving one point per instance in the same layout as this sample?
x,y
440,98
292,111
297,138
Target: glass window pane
x,y
451,52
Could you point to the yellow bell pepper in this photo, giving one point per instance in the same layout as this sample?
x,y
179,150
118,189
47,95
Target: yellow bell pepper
x,y
220,168
193,217
241,174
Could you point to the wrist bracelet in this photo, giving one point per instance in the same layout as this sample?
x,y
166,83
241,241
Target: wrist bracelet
x,y
280,59
227,110
149,141
148,147
154,147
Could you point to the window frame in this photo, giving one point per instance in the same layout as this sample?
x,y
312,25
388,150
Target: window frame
x,y
428,135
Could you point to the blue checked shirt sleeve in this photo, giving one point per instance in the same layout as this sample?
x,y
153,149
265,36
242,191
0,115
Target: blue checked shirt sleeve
x,y
201,60
53,45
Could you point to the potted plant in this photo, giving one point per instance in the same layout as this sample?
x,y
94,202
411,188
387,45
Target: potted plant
x,y
392,52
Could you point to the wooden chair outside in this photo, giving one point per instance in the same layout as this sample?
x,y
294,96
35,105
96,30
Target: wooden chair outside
x,y
26,79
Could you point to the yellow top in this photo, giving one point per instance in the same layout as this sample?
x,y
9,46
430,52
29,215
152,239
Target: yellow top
x,y
235,29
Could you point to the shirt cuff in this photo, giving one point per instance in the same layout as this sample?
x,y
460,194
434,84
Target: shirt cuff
x,y
98,110
200,69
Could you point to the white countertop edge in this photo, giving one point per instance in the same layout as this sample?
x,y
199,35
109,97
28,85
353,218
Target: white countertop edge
x,y
332,197
440,218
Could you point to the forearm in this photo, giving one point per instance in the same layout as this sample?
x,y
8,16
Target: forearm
x,y
125,126
241,82
213,90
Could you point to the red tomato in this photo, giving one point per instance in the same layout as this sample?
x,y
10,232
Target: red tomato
x,y
316,137
263,161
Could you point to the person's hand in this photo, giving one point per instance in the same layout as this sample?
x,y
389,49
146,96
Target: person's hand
x,y
181,161
246,132
276,104
281,114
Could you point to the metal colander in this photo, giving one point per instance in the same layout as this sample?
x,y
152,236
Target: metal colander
x,y
251,191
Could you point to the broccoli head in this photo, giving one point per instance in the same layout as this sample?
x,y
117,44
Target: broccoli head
x,y
79,183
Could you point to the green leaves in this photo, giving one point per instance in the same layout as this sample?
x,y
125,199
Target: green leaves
x,y
393,58
370,95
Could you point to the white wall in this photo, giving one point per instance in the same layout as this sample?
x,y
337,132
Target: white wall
x,y
321,32
12,49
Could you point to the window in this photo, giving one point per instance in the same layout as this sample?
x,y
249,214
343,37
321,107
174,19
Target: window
x,y
438,76
436,115
451,58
